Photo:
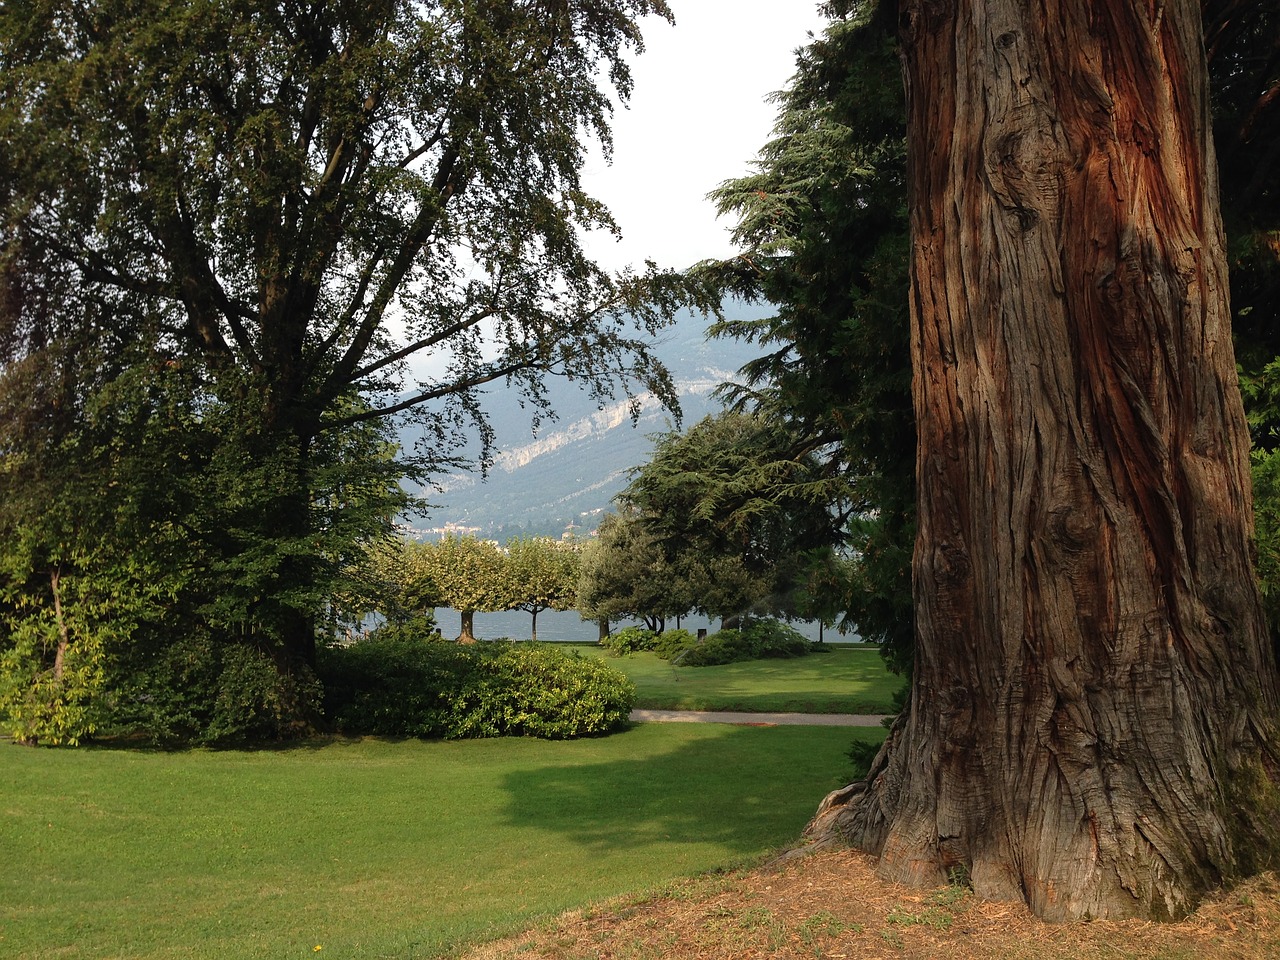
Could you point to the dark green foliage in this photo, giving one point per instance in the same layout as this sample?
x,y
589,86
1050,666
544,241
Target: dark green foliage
x,y
418,627
625,574
823,227
255,700
394,685
861,755
628,640
1266,495
758,640
197,690
1244,73
671,643
1244,77
1266,500
737,521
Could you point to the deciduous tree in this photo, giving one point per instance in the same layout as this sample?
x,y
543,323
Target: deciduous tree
x,y
736,511
626,575
465,573
542,574
313,218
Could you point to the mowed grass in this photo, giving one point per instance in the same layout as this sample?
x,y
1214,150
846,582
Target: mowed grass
x,y
376,848
847,680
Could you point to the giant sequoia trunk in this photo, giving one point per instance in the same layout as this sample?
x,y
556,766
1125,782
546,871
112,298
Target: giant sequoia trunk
x,y
1092,720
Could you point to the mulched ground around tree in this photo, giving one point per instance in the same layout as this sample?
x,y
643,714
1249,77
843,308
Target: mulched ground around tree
x,y
831,905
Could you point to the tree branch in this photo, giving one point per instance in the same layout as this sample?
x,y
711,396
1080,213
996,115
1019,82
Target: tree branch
x,y
445,186
437,337
460,386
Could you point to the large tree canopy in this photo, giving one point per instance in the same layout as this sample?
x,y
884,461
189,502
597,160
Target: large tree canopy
x,y
738,514
237,238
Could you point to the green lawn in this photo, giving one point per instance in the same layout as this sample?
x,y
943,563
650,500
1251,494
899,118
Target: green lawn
x,y
847,680
378,849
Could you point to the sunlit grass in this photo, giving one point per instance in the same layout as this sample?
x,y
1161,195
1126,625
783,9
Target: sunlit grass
x,y
846,680
379,849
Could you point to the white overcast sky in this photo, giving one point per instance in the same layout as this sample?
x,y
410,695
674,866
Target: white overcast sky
x,y
698,116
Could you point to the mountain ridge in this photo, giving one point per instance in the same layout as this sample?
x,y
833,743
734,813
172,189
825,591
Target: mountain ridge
x,y
561,480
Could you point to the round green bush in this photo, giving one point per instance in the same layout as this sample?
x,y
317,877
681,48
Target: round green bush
x,y
538,690
759,640
628,640
392,686
671,643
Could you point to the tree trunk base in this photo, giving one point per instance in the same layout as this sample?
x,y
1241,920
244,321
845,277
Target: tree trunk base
x,y
1065,860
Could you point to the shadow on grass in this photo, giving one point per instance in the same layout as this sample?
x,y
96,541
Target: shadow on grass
x,y
745,789
813,701
141,744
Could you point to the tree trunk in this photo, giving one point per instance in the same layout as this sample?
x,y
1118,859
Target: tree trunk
x,y
535,626
298,633
603,623
1092,721
467,633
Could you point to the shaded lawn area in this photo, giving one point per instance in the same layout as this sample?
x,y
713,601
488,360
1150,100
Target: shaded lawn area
x,y
372,848
846,680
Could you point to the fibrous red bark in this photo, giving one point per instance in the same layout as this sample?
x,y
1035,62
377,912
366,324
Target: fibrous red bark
x,y
1092,723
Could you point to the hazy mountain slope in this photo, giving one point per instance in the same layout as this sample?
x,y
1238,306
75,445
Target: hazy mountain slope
x,y
568,473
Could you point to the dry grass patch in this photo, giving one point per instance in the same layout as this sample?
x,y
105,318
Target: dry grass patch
x,y
832,907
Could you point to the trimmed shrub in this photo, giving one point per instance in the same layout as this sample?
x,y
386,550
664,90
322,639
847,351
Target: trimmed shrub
x,y
535,690
393,686
624,642
671,643
199,691
759,640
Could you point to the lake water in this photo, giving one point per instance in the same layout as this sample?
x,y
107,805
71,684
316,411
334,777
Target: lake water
x,y
568,627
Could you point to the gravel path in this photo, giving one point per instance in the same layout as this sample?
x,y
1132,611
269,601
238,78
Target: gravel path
x,y
758,719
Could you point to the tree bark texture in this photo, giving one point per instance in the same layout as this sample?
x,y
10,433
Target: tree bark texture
x,y
1092,725
467,632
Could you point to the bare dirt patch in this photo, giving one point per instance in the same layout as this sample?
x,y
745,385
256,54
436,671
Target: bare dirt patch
x,y
831,906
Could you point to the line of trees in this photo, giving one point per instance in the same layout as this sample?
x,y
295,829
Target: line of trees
x,y
404,579
626,572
